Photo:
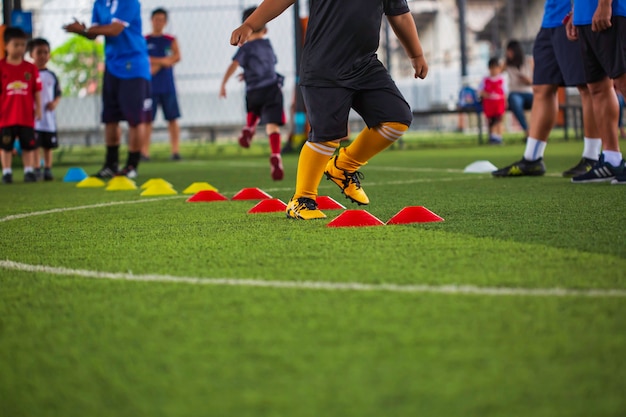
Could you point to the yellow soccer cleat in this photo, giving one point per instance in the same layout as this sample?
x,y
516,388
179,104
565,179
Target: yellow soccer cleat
x,y
303,208
349,182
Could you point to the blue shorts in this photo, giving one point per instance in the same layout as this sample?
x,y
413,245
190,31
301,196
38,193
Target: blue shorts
x,y
328,108
558,61
126,99
168,103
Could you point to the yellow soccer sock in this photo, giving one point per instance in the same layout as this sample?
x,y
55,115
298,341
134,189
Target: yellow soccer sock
x,y
369,143
311,165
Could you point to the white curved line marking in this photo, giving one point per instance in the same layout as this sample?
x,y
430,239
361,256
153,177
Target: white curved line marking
x,y
325,286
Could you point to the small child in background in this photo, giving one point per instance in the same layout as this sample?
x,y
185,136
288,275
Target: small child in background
x,y
493,92
46,127
20,105
264,97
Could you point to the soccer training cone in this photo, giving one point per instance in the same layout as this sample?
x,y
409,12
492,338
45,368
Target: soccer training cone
x,y
251,194
91,182
272,205
158,189
480,167
121,183
75,174
155,181
414,214
355,218
199,186
206,196
328,203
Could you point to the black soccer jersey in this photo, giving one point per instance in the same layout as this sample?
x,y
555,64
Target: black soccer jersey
x,y
342,39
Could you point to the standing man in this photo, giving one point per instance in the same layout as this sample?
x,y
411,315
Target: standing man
x,y
126,85
601,27
164,54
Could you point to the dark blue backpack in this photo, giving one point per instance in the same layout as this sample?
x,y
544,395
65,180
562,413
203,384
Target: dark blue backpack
x,y
469,99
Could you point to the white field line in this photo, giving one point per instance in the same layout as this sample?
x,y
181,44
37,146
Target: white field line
x,y
321,286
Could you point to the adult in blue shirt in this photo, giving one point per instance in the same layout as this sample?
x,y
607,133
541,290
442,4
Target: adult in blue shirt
x,y
558,62
601,27
126,85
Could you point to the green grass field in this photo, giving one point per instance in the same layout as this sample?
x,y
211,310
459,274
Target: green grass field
x,y
113,304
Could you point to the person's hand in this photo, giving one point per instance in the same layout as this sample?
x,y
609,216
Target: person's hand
x,y
420,66
51,106
223,91
602,17
526,80
571,31
240,35
38,113
75,27
241,77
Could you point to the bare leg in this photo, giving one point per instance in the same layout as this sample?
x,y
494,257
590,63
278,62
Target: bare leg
x,y
145,149
589,121
7,159
137,137
174,131
605,104
544,111
112,134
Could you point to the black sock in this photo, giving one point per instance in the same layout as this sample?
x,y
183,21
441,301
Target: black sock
x,y
133,159
113,157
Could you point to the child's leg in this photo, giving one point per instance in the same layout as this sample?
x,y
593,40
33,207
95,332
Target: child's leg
x,y
311,165
7,160
273,132
174,131
47,158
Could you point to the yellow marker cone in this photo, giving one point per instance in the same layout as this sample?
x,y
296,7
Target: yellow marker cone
x,y
199,186
159,189
91,182
121,183
155,181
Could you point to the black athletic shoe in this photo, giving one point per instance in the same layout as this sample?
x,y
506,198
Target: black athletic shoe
x,y
7,179
106,172
30,177
47,175
601,172
523,167
580,168
38,173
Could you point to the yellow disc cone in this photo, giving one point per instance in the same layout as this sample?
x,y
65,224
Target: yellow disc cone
x,y
121,183
91,182
155,181
199,186
159,189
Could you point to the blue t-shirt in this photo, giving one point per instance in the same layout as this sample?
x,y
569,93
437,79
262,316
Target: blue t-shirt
x,y
258,61
554,11
584,10
163,80
126,54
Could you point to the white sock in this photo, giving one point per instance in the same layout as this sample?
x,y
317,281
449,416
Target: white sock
x,y
534,149
592,148
7,171
28,169
612,157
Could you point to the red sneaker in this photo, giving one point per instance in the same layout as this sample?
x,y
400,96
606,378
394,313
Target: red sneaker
x,y
276,166
246,136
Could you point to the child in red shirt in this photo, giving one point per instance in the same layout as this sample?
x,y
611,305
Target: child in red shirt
x,y
20,104
493,92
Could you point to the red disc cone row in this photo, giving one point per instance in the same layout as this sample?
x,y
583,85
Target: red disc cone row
x,y
327,203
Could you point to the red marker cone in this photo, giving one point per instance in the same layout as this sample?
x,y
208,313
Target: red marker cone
x,y
355,218
414,214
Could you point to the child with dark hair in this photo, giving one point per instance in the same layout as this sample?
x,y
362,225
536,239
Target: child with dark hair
x,y
46,127
493,92
264,97
20,105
